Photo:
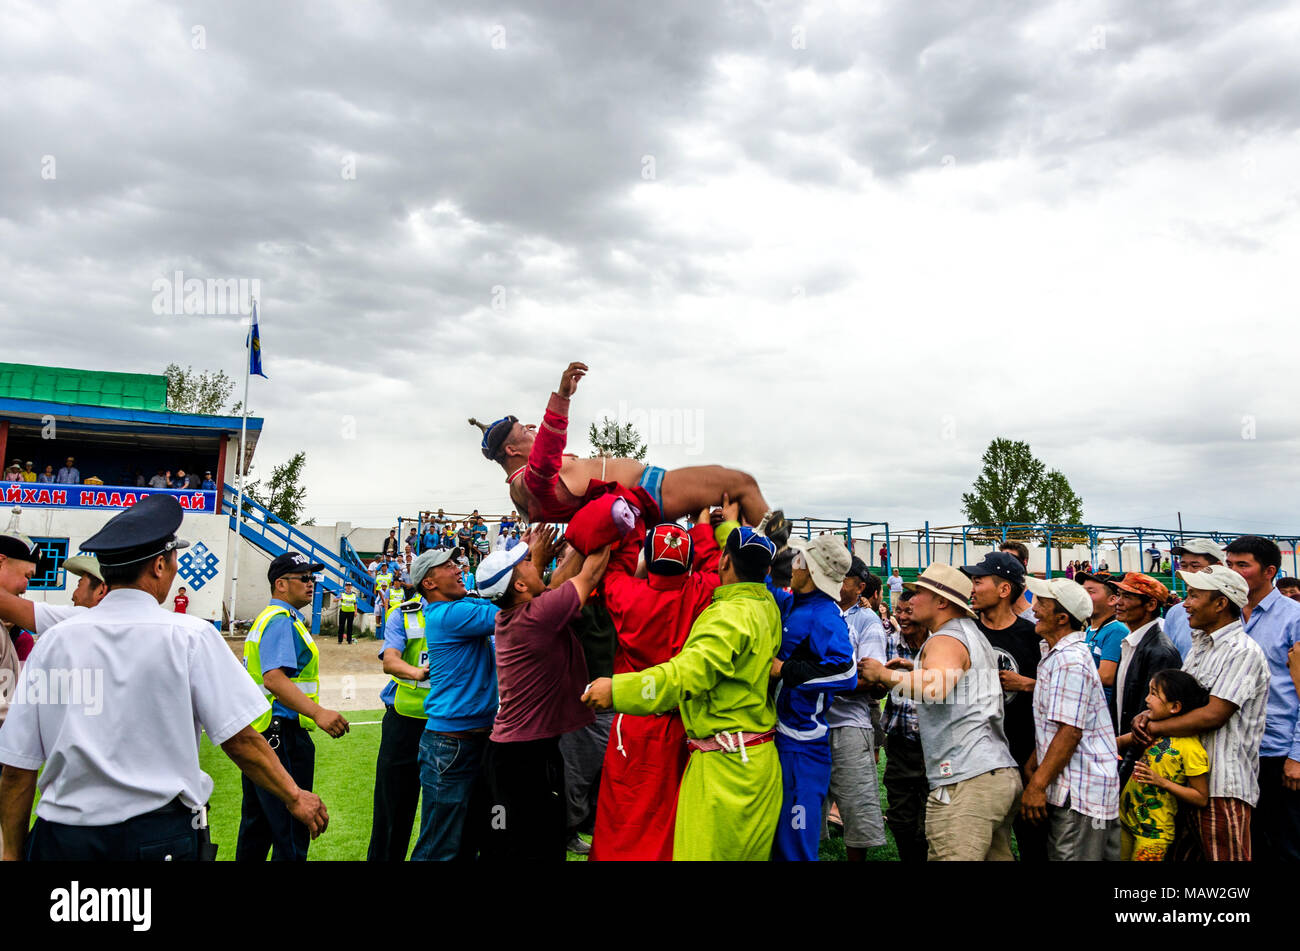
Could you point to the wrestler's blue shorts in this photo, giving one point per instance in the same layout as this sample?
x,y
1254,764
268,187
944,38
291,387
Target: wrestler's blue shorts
x,y
652,480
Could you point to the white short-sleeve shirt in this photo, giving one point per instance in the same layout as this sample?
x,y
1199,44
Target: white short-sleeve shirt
x,y
112,700
48,615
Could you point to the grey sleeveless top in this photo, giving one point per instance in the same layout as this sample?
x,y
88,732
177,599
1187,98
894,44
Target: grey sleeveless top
x,y
962,735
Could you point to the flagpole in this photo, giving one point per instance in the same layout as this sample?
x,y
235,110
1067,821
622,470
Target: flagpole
x,y
239,470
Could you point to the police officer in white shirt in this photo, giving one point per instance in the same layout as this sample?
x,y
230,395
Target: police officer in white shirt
x,y
110,702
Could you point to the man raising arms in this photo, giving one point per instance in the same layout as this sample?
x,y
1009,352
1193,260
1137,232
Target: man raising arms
x,y
549,485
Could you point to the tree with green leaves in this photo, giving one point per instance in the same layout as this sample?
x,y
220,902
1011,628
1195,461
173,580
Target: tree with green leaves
x,y
283,495
203,392
620,442
1014,486
1006,487
1056,503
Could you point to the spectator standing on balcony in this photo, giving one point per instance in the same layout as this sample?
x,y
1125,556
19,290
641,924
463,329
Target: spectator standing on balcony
x,y
69,474
29,474
47,476
209,484
14,473
160,481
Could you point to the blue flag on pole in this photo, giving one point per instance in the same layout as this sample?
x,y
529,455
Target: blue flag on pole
x,y
255,348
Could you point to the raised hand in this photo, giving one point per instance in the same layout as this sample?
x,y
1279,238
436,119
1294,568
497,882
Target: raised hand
x,y
569,378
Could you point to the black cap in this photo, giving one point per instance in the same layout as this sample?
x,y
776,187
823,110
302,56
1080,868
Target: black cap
x,y
291,561
1002,564
145,530
20,547
858,569
1101,577
751,549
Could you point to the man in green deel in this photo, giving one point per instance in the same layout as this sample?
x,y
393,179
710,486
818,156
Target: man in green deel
x,y
730,798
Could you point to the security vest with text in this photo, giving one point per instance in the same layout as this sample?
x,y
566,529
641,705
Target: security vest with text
x,y
307,680
409,699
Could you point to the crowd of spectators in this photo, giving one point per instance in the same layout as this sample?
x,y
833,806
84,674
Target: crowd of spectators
x,y
70,474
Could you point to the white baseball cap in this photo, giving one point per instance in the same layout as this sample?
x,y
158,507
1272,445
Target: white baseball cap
x,y
1219,578
1068,594
1202,546
496,571
828,562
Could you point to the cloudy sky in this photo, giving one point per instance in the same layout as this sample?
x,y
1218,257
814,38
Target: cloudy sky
x,y
841,246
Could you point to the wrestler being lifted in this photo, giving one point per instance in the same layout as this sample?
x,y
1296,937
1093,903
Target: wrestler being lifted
x,y
551,485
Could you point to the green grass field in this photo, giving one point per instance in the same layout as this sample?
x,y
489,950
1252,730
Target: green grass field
x,y
345,778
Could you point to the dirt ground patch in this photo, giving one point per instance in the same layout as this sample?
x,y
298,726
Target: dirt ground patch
x,y
362,657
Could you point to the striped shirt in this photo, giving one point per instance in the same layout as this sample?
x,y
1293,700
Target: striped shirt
x,y
900,711
1068,692
1233,668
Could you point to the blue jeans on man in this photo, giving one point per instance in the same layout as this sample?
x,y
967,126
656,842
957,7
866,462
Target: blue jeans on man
x,y
449,777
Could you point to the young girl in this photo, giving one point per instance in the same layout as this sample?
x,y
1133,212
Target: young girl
x,y
1174,770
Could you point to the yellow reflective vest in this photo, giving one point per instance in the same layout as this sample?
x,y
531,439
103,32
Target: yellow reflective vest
x,y
307,680
409,699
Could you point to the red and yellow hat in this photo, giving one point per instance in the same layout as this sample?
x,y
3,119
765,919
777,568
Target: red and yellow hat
x,y
668,550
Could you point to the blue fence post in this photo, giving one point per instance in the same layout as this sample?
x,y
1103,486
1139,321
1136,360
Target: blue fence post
x,y
927,543
316,598
848,535
1048,573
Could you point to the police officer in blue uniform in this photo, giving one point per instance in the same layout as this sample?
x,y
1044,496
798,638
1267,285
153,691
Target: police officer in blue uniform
x,y
121,777
284,662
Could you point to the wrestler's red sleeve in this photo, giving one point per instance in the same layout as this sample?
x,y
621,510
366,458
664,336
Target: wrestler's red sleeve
x,y
546,457
707,552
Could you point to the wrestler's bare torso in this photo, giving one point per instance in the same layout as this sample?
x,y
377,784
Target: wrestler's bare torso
x,y
576,474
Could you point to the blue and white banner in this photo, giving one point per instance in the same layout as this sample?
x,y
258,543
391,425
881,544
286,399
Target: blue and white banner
x,y
99,496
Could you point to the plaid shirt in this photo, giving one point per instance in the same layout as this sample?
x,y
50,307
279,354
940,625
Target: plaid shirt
x,y
1068,692
900,712
1230,665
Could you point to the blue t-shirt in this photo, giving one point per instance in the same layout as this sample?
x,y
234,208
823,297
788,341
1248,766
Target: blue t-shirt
x,y
1179,630
1104,644
462,691
282,647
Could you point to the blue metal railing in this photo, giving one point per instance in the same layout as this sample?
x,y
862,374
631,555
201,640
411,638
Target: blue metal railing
x,y
275,536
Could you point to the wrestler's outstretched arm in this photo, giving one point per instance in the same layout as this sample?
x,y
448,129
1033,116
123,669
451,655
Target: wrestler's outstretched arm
x,y
547,455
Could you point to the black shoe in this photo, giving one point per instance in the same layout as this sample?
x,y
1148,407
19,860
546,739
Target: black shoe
x,y
578,845
782,569
777,528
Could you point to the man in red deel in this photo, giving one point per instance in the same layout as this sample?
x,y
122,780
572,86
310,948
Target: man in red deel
x,y
637,805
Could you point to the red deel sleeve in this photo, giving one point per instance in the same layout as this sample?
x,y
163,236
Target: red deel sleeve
x,y
546,457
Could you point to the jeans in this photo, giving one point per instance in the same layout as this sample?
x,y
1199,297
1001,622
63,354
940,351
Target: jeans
x,y
449,773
